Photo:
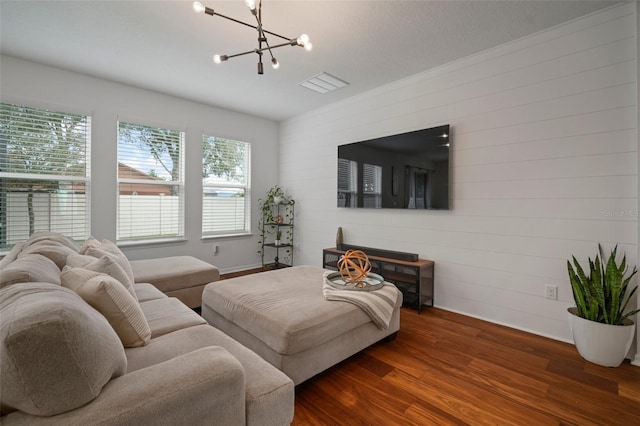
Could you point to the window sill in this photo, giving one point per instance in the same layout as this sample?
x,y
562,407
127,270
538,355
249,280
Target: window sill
x,y
225,236
150,243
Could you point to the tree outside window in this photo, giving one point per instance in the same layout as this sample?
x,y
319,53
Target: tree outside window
x,y
150,182
225,186
44,172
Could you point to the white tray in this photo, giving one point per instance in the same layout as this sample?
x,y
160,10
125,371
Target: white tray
x,y
370,283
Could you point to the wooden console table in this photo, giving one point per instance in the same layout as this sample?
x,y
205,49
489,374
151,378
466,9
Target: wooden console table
x,y
414,279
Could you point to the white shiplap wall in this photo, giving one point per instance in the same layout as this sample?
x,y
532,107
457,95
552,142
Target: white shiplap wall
x,y
544,165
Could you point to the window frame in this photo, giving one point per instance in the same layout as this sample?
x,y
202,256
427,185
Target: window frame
x,y
60,222
180,185
205,235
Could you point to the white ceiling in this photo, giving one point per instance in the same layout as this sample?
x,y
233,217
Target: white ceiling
x,y
165,46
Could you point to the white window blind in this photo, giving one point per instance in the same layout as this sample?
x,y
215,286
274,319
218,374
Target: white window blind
x,y
372,185
150,183
44,173
225,186
347,182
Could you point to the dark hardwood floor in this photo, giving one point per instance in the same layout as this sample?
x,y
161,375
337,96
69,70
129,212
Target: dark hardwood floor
x,y
449,369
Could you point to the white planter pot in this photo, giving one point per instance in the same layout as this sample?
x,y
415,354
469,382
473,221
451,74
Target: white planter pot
x,y
602,344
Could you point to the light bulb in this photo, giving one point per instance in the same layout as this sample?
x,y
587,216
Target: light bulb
x,y
251,4
308,46
275,64
219,58
198,7
303,39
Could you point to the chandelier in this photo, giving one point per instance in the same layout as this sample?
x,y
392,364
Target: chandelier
x,y
255,6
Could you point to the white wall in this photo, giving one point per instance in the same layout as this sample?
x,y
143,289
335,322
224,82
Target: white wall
x,y
36,85
544,165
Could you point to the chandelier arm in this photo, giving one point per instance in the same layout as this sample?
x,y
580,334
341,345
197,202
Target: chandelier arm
x,y
260,50
244,53
234,20
289,43
274,34
247,24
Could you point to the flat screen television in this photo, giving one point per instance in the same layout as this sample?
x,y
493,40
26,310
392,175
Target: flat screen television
x,y
404,171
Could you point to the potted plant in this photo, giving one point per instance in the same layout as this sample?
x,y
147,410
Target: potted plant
x,y
275,195
602,330
278,236
276,209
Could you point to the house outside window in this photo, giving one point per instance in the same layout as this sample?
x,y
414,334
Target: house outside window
x,y
44,173
226,168
150,183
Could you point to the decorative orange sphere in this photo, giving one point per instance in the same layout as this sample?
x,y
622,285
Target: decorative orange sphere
x,y
354,266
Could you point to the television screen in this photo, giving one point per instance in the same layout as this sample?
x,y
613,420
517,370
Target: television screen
x,y
405,171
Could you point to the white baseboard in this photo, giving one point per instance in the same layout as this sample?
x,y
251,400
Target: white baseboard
x,y
239,268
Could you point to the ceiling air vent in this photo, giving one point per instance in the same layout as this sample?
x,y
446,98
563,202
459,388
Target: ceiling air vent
x,y
323,83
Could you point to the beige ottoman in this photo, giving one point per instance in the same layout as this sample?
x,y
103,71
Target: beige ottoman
x,y
283,317
183,277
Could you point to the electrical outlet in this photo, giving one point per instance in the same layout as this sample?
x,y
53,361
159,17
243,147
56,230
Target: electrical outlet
x,y
551,292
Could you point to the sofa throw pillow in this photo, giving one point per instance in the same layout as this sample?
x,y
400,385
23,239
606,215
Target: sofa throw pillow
x,y
109,248
12,255
53,237
30,268
110,298
56,351
105,265
55,251
88,243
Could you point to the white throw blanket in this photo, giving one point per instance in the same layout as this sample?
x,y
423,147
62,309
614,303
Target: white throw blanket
x,y
378,304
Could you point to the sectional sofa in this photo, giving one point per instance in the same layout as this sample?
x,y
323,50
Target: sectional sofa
x,y
84,341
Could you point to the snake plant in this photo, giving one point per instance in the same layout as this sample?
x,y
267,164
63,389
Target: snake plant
x,y
602,295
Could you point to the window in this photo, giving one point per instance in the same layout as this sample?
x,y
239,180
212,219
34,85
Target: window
x,y
150,183
225,186
44,173
372,185
347,182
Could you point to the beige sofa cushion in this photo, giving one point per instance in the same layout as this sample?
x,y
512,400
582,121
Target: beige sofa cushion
x,y
56,351
105,265
53,237
30,268
112,300
284,308
109,248
12,255
89,243
146,292
53,245
174,272
269,393
169,314
56,252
